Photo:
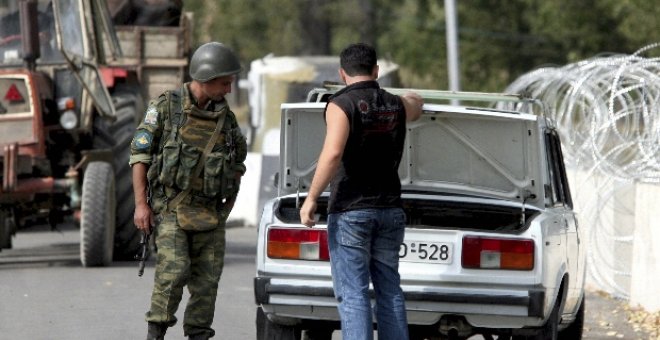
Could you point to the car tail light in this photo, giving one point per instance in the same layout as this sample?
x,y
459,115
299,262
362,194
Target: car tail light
x,y
298,244
497,253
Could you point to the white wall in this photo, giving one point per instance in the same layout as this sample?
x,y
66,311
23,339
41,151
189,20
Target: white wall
x,y
620,227
645,285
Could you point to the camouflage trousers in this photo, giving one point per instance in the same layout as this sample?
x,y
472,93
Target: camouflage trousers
x,y
192,258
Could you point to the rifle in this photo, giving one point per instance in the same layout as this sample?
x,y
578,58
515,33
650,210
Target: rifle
x,y
144,252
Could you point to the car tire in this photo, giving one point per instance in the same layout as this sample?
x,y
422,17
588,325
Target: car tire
x,y
317,334
550,331
416,332
97,221
574,330
268,330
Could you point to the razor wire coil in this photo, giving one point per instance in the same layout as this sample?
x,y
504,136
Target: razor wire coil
x,y
607,113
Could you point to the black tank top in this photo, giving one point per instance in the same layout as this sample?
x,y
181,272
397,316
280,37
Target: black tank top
x,y
368,174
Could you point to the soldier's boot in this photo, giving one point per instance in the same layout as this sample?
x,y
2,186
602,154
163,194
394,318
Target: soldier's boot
x,y
156,331
202,336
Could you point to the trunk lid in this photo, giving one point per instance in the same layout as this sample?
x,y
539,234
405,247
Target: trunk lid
x,y
450,149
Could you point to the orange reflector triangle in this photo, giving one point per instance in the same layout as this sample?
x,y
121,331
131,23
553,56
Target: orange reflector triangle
x,y
13,95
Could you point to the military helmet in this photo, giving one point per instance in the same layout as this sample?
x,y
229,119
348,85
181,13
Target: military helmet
x,y
213,60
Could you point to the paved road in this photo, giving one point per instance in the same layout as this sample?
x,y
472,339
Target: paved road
x,y
45,294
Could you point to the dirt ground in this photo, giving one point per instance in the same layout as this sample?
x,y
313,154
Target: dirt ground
x,y
610,318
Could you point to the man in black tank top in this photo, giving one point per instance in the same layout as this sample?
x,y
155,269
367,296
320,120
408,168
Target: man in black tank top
x,y
365,133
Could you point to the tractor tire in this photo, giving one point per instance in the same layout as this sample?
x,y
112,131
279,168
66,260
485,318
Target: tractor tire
x,y
157,13
97,221
6,230
117,137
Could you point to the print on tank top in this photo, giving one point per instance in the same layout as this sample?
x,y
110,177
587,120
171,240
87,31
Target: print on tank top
x,y
377,120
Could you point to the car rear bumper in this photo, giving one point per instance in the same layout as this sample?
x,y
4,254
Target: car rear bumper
x,y
521,307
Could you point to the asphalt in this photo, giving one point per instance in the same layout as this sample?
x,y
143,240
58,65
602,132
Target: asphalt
x,y
605,317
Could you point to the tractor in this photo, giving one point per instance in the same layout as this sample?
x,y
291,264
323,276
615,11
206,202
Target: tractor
x,y
74,78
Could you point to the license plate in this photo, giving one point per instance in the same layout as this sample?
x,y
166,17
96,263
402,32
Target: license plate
x,y
426,252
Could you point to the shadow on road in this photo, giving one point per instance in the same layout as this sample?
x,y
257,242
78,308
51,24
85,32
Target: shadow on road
x,y
54,255
41,246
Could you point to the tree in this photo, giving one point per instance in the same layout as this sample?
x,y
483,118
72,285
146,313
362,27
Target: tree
x,y
498,40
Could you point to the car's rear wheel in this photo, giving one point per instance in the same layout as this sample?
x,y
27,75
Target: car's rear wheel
x,y
574,330
317,334
550,330
268,330
416,332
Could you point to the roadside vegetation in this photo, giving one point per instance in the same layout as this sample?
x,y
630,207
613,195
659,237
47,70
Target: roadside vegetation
x,y
498,40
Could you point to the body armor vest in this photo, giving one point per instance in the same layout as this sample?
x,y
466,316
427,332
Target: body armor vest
x,y
185,135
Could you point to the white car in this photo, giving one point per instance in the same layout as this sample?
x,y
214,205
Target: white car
x,y
491,246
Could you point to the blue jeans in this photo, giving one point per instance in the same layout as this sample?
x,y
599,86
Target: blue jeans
x,y
364,244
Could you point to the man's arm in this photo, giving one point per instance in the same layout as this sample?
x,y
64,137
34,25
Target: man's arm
x,y
413,103
337,130
239,154
144,144
143,216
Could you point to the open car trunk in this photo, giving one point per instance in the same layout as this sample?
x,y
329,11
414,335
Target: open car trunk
x,y
435,213
480,153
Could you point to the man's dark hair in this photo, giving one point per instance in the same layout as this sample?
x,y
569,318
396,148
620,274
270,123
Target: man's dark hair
x,y
358,59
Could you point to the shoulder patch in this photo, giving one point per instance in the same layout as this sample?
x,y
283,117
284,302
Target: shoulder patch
x,y
151,117
142,140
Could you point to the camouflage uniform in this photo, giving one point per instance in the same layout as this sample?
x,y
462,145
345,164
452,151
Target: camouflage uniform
x,y
191,236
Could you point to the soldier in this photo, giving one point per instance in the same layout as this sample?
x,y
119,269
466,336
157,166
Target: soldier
x,y
190,151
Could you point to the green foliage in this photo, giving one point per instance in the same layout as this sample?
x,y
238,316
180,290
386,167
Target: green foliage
x,y
498,40
417,35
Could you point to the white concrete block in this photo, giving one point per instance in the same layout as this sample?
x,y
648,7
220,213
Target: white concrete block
x,y
246,209
646,249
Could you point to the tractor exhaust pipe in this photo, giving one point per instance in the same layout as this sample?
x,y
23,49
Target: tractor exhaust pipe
x,y
29,32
